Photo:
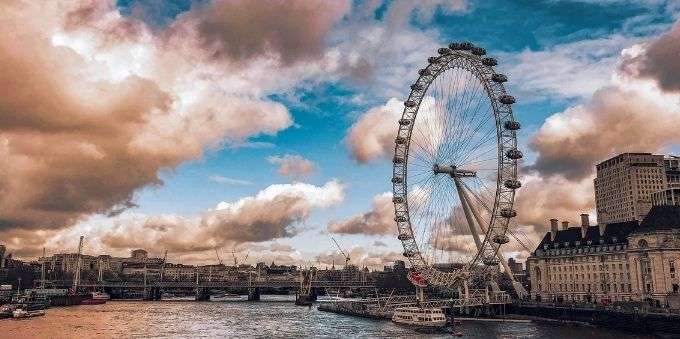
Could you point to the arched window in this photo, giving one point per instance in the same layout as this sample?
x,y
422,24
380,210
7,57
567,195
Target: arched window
x,y
643,243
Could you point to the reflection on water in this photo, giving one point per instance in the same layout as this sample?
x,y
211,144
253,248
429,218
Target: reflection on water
x,y
264,319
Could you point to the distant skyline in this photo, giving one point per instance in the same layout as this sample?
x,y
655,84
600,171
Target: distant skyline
x,y
267,126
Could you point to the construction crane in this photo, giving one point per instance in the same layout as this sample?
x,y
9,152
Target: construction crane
x,y
341,251
233,254
219,260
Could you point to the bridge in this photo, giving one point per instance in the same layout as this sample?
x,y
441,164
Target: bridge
x,y
154,289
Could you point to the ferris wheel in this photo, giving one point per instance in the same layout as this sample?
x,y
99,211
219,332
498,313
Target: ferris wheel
x,y
455,167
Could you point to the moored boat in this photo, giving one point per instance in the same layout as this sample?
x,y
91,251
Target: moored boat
x,y
174,297
429,318
24,313
227,297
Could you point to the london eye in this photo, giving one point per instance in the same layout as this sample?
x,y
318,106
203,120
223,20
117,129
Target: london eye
x,y
455,167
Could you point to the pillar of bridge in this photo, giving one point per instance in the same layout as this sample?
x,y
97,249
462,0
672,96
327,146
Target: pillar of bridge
x,y
254,294
202,294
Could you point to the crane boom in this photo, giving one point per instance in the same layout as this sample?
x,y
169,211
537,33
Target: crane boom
x,y
219,260
341,251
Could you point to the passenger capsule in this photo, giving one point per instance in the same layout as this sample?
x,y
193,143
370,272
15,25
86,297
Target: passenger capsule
x,y
399,140
490,261
400,218
444,51
508,213
489,62
466,45
514,154
397,180
398,200
512,184
417,87
512,125
455,46
410,103
424,71
501,239
432,60
507,99
404,236
499,78
404,122
478,51
398,160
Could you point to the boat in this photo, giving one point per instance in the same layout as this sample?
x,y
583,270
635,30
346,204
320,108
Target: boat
x,y
175,297
96,298
432,318
100,296
24,313
227,297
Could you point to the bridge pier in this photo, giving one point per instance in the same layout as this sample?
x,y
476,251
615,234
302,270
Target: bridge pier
x,y
254,294
202,294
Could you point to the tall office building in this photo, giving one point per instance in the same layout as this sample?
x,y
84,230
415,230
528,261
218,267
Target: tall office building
x,y
625,183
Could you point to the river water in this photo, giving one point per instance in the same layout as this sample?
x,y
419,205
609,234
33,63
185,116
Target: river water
x,y
264,319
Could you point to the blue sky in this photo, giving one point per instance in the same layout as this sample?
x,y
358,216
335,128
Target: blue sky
x,y
557,54
323,112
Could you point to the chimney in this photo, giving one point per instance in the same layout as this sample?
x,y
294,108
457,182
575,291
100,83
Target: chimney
x,y
565,225
553,229
602,227
585,223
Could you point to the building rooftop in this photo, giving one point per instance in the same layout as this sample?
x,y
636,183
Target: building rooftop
x,y
658,218
615,233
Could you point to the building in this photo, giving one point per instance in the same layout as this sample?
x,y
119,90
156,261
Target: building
x,y
669,196
624,185
139,255
622,261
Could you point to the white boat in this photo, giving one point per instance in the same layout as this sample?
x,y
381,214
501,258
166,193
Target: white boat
x,y
172,297
100,296
227,297
421,317
22,313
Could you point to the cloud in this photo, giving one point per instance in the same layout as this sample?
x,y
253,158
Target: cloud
x,y
379,243
631,117
292,165
244,31
229,181
571,70
95,104
372,136
378,221
658,61
275,212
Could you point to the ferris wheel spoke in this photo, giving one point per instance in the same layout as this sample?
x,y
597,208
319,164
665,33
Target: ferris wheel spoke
x,y
486,138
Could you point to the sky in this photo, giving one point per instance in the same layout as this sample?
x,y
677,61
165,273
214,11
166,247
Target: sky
x,y
266,127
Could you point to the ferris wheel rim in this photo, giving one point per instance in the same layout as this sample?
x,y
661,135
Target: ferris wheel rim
x,y
506,127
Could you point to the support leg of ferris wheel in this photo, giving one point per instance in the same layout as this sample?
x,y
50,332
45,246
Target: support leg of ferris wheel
x,y
466,209
519,289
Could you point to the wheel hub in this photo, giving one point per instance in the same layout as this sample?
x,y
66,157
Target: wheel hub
x,y
453,171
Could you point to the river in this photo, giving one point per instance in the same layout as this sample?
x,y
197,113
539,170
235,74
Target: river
x,y
264,319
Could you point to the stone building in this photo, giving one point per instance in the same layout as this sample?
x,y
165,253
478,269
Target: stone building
x,y
624,184
623,261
